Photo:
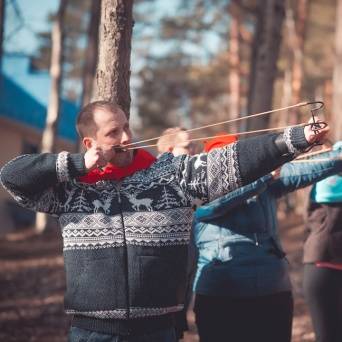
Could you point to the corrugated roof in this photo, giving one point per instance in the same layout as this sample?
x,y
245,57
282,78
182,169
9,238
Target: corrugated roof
x,y
24,96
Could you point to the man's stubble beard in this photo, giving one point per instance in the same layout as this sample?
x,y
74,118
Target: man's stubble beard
x,y
123,159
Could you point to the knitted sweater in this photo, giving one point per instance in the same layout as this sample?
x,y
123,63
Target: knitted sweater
x,y
125,242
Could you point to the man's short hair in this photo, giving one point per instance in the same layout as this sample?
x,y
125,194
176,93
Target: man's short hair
x,y
85,124
168,139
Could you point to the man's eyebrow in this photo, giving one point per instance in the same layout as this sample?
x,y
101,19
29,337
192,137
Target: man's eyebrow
x,y
111,129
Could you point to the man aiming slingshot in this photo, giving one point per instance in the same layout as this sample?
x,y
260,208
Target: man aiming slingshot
x,y
126,228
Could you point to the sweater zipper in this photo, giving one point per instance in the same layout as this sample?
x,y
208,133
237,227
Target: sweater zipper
x,y
118,187
256,239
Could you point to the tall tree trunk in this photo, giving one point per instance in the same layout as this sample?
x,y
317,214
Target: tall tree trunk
x,y
50,131
294,75
298,60
234,60
291,45
298,33
266,44
91,53
286,96
327,98
113,69
57,37
337,76
2,29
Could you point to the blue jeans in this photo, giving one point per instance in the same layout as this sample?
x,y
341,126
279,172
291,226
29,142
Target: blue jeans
x,y
81,335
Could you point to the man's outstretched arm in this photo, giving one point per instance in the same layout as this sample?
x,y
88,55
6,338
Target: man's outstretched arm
x,y
209,176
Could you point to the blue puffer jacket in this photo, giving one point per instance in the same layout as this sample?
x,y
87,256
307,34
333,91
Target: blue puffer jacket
x,y
237,238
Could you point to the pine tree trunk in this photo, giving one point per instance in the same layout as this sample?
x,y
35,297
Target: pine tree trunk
x,y
50,131
91,55
265,51
2,29
286,98
57,37
298,51
328,97
113,69
91,52
297,78
234,60
337,76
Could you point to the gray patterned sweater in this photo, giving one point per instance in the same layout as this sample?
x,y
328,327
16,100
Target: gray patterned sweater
x,y
125,243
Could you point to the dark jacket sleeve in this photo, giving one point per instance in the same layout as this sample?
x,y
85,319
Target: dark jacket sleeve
x,y
35,180
208,176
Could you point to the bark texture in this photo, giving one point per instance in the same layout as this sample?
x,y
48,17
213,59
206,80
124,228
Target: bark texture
x,y
56,68
91,52
113,69
234,60
265,51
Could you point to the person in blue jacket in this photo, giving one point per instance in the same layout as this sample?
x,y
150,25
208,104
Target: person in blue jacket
x,y
242,285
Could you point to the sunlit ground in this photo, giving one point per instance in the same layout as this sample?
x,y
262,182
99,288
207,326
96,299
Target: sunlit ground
x,y
32,287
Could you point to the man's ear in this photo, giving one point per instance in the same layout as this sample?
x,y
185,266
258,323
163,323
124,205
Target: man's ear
x,y
88,142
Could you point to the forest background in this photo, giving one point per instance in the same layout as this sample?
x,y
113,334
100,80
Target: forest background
x,y
168,63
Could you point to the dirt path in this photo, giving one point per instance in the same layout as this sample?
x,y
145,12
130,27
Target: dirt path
x,y
32,287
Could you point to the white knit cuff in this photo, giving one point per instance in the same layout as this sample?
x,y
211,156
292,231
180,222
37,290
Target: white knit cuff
x,y
288,141
62,167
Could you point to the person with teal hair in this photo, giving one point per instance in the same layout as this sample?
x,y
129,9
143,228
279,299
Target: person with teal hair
x,y
323,257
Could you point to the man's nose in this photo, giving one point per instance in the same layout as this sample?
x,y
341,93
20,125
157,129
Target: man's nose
x,y
126,137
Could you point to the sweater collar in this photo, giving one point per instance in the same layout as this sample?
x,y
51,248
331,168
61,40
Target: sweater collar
x,y
141,160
